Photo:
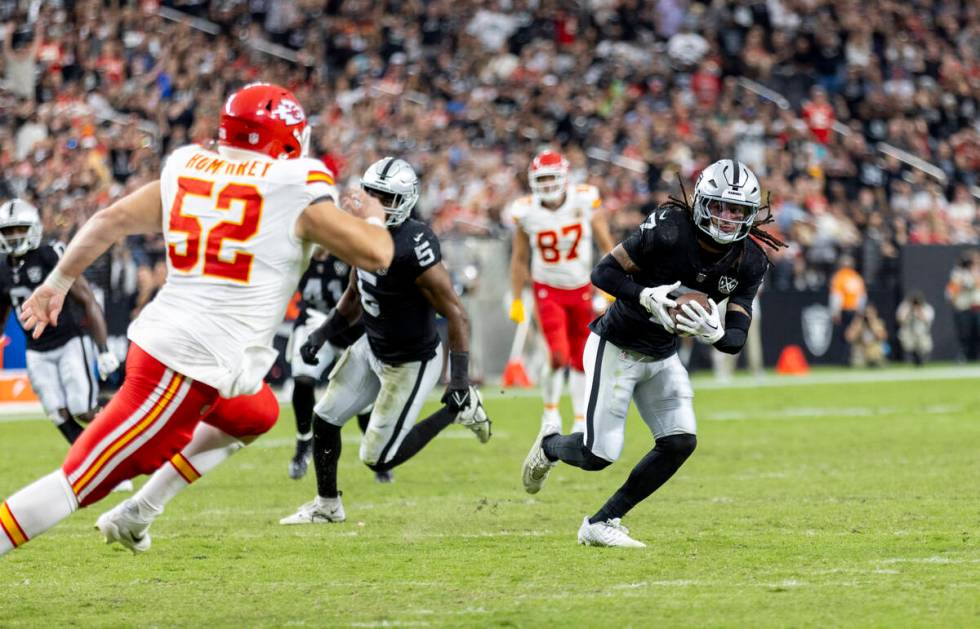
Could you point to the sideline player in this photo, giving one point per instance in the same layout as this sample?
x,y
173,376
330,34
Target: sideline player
x,y
554,227
399,359
60,361
632,351
239,223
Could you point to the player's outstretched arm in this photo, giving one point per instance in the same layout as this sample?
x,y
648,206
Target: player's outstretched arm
x,y
345,314
519,259
137,213
350,236
437,288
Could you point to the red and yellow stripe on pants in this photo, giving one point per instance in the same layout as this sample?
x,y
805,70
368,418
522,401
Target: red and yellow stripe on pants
x,y
185,468
135,427
11,527
151,418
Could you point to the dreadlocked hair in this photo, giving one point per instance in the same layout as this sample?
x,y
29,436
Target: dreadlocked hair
x,y
762,235
755,231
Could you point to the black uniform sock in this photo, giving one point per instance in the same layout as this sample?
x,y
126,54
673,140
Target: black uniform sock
x,y
304,399
326,455
362,421
650,473
71,429
416,439
571,449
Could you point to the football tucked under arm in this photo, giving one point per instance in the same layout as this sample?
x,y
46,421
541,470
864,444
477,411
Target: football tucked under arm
x,y
683,298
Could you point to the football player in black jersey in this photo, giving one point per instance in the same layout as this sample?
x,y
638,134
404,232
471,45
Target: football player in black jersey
x,y
60,362
632,351
320,289
399,359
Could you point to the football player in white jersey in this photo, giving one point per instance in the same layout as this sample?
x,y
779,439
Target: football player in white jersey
x,y
239,224
554,229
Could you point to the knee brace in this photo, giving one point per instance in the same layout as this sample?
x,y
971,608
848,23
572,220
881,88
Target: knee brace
x,y
677,447
593,463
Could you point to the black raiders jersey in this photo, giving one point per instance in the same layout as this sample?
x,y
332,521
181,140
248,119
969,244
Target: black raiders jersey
x,y
320,289
18,279
665,248
399,320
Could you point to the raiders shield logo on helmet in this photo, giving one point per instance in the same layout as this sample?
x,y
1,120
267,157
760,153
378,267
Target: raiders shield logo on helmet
x,y
727,284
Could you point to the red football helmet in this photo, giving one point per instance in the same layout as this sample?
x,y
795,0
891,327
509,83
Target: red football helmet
x,y
265,118
547,176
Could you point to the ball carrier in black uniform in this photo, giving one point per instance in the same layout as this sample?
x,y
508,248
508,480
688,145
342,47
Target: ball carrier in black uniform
x,y
320,289
632,351
399,360
60,362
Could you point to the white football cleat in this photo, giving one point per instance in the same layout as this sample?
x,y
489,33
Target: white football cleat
x,y
126,525
125,486
318,511
609,533
475,417
537,465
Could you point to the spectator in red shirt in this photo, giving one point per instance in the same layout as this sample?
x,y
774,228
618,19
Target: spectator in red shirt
x,y
819,115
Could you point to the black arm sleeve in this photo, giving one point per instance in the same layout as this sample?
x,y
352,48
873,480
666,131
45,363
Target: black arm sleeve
x,y
736,331
334,326
611,277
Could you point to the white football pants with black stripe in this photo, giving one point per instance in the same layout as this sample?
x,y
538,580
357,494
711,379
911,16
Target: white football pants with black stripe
x,y
398,392
661,390
65,377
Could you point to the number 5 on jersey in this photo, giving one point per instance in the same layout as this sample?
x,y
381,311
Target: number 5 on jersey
x,y
184,257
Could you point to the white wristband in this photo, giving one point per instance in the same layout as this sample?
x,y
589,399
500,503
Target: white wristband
x,y
59,282
374,220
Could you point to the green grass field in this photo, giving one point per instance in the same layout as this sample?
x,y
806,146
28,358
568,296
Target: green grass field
x,y
853,504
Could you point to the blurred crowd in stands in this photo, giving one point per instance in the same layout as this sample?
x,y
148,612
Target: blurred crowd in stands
x,y
639,95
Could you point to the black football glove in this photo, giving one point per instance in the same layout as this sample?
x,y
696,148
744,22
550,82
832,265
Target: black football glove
x,y
457,395
311,347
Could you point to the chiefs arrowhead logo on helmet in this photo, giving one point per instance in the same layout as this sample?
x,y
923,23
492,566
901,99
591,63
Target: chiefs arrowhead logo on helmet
x,y
265,118
547,176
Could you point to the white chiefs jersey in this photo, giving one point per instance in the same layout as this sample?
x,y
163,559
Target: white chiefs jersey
x,y
561,239
233,262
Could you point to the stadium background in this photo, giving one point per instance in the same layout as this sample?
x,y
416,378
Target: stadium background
x,y
863,131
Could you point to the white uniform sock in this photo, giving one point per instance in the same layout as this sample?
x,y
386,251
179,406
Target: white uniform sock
x,y
576,388
34,509
551,385
208,448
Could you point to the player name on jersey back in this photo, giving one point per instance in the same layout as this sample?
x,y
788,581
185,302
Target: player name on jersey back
x,y
561,238
233,262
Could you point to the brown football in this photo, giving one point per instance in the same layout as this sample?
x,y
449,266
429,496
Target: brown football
x,y
701,298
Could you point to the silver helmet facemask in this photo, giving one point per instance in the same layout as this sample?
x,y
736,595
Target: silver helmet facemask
x,y
394,183
727,198
20,227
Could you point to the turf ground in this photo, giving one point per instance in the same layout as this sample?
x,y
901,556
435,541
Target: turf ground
x,y
841,503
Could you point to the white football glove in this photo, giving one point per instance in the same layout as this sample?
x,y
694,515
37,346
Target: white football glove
x,y
107,363
705,325
656,301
